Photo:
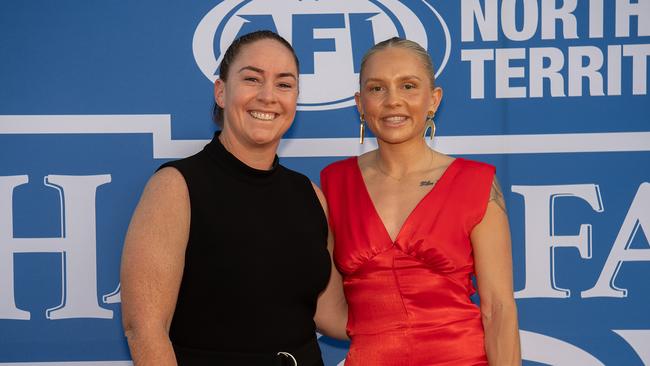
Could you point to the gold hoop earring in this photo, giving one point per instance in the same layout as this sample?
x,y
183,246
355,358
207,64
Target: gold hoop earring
x,y
362,128
429,124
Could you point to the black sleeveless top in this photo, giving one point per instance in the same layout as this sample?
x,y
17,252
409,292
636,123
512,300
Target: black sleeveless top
x,y
256,258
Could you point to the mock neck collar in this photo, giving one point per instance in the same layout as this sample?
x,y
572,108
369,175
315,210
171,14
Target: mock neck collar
x,y
237,167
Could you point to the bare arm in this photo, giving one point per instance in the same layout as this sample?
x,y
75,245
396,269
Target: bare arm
x,y
332,309
493,262
152,267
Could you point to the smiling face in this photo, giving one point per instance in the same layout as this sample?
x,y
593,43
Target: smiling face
x,y
259,98
396,94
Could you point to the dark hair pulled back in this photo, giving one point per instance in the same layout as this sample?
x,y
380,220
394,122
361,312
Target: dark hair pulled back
x,y
234,50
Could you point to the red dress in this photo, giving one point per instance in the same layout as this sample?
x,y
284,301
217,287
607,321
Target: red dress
x,y
409,300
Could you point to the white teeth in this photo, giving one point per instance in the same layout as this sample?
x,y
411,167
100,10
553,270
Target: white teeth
x,y
395,118
262,115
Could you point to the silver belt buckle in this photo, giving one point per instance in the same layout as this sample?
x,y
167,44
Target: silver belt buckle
x,y
289,355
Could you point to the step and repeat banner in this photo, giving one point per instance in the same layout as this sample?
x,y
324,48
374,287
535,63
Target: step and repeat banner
x,y
95,95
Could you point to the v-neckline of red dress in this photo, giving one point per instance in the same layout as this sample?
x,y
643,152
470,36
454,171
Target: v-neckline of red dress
x,y
443,178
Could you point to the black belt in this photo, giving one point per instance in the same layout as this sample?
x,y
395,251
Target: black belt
x,y
306,355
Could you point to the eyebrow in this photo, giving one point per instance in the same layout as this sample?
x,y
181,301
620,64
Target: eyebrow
x,y
260,71
405,77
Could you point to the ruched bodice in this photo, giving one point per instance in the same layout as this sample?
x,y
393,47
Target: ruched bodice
x,y
409,300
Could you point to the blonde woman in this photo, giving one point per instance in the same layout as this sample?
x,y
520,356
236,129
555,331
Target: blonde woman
x,y
412,226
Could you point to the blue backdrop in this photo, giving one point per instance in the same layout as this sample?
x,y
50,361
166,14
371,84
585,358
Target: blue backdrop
x,y
94,95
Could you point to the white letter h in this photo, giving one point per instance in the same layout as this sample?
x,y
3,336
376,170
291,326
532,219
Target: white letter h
x,y
77,246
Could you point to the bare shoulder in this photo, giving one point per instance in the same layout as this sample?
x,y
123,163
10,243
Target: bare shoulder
x,y
496,195
442,160
320,195
163,212
366,159
167,182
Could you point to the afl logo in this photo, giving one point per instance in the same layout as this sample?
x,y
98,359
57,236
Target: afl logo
x,y
329,36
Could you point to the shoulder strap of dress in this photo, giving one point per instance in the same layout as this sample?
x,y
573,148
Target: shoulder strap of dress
x,y
475,181
333,174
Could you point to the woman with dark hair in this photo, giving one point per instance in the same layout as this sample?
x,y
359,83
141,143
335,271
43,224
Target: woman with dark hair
x,y
411,226
226,259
